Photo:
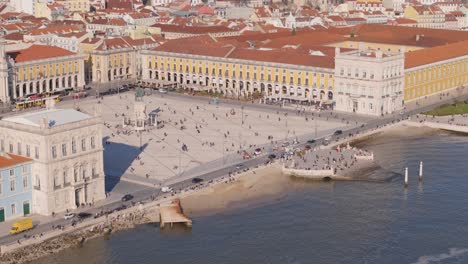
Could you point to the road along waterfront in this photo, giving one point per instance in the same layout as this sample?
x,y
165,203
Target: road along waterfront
x,y
220,172
319,222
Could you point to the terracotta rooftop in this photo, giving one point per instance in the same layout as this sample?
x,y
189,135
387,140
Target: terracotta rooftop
x,y
207,46
430,55
9,160
191,29
38,52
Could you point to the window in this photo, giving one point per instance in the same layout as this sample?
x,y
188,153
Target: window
x,y
54,152
36,152
93,170
56,179
75,174
12,172
83,144
11,148
25,182
73,146
13,209
2,145
93,144
64,150
1,188
65,176
25,169
28,151
12,185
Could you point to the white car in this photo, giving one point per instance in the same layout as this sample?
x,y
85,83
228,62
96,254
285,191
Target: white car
x,y
166,189
69,216
163,91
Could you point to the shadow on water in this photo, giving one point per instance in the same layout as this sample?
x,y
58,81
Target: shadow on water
x,y
118,158
177,229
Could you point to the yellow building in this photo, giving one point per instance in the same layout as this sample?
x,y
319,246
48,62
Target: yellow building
x,y
42,69
426,16
52,12
114,60
204,63
436,70
75,5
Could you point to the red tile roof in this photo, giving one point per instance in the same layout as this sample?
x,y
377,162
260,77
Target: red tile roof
x,y
38,52
9,160
440,53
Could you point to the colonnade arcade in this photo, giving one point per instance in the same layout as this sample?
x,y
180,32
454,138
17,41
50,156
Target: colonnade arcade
x,y
234,87
45,85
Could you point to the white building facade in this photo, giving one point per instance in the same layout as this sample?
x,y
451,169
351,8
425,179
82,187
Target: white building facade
x,y
66,146
369,82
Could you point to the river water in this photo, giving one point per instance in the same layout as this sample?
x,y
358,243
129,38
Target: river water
x,y
326,222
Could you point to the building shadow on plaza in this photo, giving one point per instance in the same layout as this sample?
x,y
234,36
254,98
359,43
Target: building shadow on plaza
x,y
118,158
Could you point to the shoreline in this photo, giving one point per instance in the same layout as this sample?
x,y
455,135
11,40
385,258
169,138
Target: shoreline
x,y
202,200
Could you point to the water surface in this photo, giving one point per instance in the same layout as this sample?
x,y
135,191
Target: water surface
x,y
340,222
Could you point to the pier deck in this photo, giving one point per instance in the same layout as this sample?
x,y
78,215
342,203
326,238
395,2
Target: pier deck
x,y
171,213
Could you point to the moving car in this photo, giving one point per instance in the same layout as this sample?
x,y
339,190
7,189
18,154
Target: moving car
x,y
338,132
21,226
127,197
84,215
163,91
68,216
311,141
166,189
197,180
258,151
240,166
272,156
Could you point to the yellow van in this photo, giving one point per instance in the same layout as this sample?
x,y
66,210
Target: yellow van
x,y
21,225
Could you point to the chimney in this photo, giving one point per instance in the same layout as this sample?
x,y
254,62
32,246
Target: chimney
x,y
379,54
417,37
337,51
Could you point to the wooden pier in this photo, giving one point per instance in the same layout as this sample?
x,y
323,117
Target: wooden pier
x,y
171,213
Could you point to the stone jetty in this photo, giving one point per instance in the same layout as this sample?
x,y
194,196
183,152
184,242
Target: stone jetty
x,y
327,164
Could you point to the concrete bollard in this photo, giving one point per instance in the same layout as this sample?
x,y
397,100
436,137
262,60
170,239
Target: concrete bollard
x,y
420,170
406,177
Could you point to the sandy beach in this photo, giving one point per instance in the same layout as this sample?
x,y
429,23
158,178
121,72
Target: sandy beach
x,y
251,187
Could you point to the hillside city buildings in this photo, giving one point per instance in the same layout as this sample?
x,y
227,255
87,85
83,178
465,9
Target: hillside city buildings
x,y
367,57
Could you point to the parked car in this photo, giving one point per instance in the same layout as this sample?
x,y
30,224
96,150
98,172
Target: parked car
x,y
120,208
307,147
127,197
68,216
21,226
311,141
272,156
197,180
163,91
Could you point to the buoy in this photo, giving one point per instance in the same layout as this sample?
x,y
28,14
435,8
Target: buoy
x,y
420,170
406,177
